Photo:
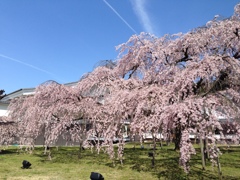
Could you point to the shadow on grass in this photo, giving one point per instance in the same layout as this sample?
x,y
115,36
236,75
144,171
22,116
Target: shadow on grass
x,y
8,151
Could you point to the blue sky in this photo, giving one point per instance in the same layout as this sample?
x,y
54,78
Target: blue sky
x,y
63,39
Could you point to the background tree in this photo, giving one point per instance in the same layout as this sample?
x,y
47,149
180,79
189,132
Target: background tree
x,y
7,127
8,131
52,111
1,94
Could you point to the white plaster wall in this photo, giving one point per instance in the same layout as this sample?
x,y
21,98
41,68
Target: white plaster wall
x,y
3,109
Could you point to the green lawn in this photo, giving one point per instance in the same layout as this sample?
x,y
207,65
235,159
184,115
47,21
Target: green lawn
x,y
65,164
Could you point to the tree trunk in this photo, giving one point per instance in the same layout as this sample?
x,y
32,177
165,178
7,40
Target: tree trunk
x,y
206,149
134,142
153,160
154,150
49,155
219,169
177,139
195,139
168,140
202,153
80,150
160,144
154,143
46,149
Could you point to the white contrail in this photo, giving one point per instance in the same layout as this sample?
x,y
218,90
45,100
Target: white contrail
x,y
139,8
26,64
120,16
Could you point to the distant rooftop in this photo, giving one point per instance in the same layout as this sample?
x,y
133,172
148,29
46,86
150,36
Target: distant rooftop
x,y
24,92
